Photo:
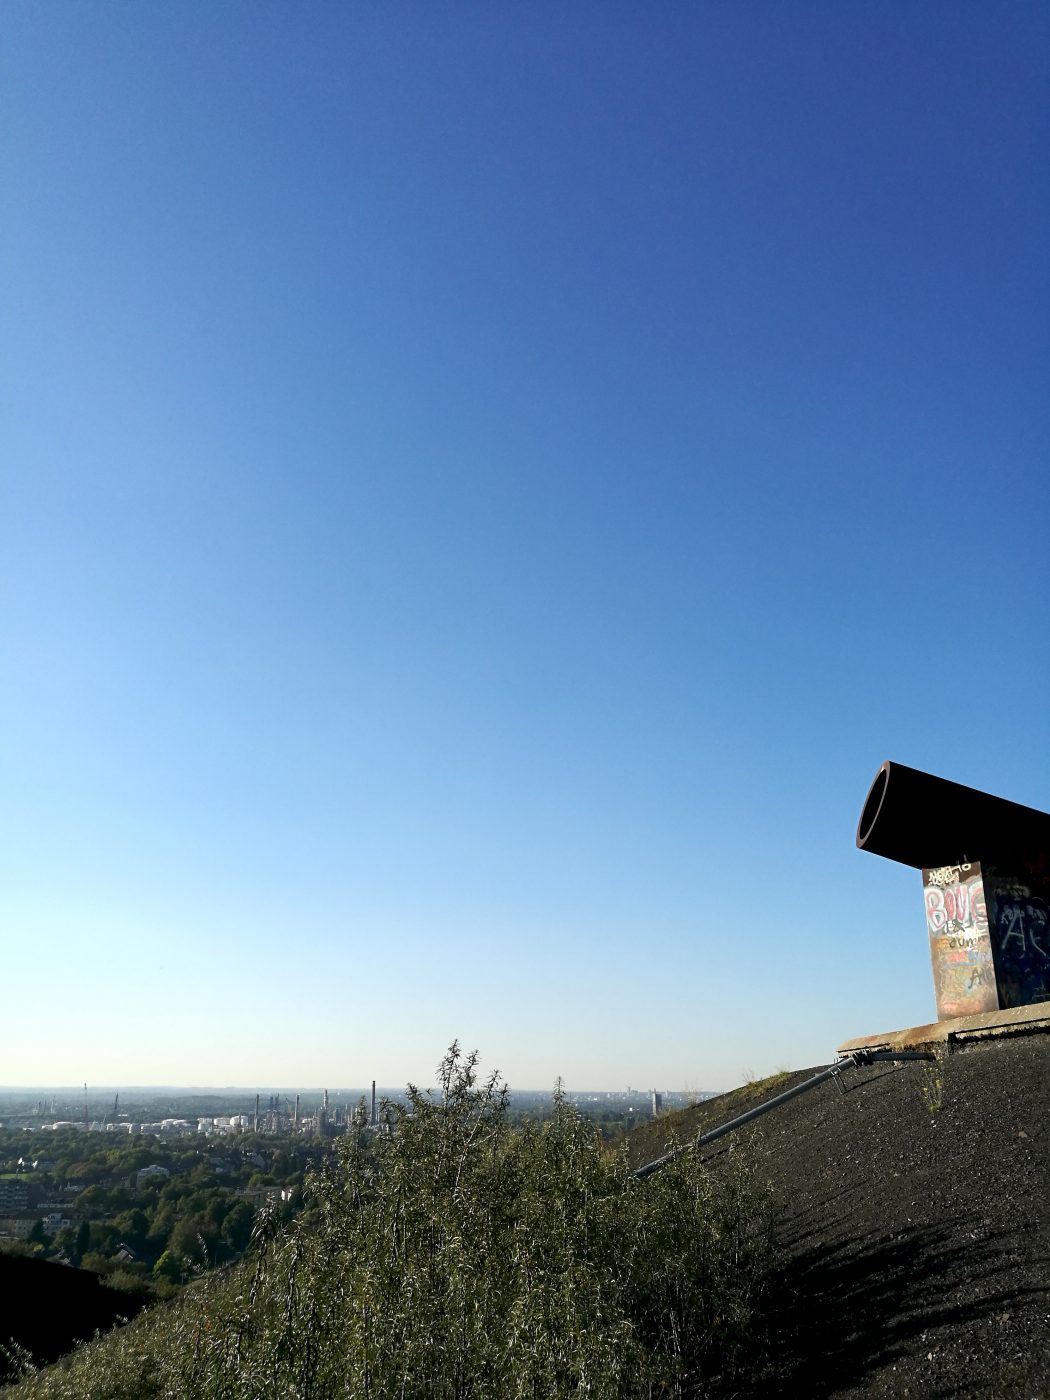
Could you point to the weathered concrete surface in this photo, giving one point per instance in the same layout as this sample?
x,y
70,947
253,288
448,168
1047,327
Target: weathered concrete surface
x,y
1011,1021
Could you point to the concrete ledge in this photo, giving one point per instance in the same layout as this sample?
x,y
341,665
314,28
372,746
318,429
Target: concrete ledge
x,y
1016,1020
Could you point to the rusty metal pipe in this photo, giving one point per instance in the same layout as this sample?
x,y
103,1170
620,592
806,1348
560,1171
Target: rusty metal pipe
x,y
851,1061
928,822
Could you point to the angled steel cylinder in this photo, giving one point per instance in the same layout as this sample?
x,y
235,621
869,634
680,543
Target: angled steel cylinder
x,y
985,866
926,822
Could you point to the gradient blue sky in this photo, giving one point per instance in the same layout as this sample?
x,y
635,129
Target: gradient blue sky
x,y
483,488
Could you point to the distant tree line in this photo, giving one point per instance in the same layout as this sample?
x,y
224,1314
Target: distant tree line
x,y
160,1230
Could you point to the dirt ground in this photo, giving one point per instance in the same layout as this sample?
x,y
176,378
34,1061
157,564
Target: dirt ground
x,y
913,1219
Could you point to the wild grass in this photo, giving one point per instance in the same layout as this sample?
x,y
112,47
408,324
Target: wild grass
x,y
932,1082
462,1259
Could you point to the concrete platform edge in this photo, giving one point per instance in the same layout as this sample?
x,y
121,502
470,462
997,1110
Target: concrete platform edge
x,y
1016,1020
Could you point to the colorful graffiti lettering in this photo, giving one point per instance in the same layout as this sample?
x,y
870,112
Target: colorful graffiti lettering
x,y
955,908
946,875
960,949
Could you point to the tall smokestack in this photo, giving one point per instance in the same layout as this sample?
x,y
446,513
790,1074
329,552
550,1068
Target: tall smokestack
x,y
255,1125
295,1120
373,1118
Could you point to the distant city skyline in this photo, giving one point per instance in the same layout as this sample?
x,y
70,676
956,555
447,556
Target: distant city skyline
x,y
344,1091
481,493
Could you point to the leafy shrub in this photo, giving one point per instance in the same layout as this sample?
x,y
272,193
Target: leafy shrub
x,y
458,1259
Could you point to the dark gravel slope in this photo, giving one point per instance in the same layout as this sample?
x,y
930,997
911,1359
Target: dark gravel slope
x,y
913,1213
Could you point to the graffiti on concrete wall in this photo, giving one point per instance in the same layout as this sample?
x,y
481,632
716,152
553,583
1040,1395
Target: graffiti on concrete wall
x,y
989,937
960,945
1019,915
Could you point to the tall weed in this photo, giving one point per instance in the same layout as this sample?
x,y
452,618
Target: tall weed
x,y
461,1259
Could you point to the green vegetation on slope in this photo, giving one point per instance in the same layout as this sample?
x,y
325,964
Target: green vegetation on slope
x,y
462,1258
651,1140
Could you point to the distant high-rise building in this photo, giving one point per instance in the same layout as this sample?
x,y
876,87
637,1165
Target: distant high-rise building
x,y
656,1101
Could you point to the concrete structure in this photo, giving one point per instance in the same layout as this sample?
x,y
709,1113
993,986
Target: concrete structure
x,y
985,865
151,1173
14,1194
958,1030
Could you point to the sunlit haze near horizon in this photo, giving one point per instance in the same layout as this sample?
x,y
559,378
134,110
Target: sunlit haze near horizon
x,y
482,490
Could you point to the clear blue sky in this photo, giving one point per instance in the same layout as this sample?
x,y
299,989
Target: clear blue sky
x,y
482,489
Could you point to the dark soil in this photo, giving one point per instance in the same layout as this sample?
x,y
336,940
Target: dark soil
x,y
912,1210
47,1308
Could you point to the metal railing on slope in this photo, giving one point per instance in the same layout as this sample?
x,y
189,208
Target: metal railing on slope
x,y
855,1060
